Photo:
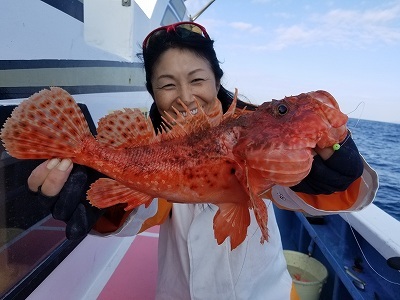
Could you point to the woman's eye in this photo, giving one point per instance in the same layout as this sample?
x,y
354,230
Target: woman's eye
x,y
197,80
167,86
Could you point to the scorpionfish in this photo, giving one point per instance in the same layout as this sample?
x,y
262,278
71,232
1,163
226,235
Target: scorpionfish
x,y
228,159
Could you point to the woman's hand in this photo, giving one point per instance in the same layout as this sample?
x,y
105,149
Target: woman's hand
x,y
61,187
324,153
50,176
332,171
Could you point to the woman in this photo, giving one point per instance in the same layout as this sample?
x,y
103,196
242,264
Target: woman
x,y
180,63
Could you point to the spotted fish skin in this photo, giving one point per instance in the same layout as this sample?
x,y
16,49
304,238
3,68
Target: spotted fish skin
x,y
229,160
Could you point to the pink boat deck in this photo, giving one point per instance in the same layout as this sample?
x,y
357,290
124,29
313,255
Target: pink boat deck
x,y
136,275
134,278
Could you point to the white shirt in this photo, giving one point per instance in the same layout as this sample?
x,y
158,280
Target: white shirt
x,y
193,266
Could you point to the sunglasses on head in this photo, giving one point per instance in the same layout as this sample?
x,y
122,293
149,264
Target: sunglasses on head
x,y
190,27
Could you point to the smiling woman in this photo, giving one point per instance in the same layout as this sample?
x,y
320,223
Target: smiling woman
x,y
192,79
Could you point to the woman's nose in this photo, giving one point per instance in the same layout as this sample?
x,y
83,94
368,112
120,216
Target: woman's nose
x,y
186,96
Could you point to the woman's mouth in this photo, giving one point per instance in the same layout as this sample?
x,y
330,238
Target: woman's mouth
x,y
192,112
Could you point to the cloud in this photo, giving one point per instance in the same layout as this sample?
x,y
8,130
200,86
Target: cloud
x,y
243,26
353,28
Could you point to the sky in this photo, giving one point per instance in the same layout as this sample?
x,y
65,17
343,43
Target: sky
x,y
270,49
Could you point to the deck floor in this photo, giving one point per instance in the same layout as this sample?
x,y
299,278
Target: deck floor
x,y
136,275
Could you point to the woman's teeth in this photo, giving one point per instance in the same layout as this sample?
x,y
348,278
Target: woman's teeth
x,y
192,112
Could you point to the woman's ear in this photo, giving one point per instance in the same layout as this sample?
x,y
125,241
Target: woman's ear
x,y
218,85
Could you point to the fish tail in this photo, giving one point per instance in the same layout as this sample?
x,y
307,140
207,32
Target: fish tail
x,y
48,124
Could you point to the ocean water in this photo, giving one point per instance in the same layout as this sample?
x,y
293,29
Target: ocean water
x,y
379,143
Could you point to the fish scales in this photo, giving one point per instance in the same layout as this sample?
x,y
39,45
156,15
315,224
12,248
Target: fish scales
x,y
178,160
229,160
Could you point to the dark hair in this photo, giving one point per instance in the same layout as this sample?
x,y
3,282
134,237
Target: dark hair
x,y
182,38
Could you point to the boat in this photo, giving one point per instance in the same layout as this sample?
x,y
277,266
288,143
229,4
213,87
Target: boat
x,y
89,48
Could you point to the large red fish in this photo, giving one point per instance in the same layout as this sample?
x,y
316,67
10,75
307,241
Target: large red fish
x,y
228,160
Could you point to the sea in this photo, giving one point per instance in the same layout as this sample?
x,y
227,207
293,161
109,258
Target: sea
x,y
379,144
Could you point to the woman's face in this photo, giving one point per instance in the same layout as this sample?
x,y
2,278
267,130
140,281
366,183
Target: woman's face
x,y
181,74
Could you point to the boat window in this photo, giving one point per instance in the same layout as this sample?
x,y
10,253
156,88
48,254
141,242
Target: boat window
x,y
169,17
179,8
32,243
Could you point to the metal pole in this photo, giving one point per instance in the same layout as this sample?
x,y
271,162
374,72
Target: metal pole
x,y
201,11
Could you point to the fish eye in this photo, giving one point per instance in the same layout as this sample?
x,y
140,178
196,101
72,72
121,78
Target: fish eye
x,y
282,109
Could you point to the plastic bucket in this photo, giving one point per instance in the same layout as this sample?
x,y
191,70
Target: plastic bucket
x,y
308,274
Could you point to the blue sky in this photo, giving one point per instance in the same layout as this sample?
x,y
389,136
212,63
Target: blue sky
x,y
275,48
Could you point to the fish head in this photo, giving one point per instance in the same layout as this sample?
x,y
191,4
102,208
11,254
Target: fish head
x,y
306,120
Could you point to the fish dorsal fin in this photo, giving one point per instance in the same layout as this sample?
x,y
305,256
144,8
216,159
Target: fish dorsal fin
x,y
126,128
184,125
180,126
232,108
106,192
215,115
233,112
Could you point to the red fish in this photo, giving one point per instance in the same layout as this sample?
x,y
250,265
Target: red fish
x,y
228,160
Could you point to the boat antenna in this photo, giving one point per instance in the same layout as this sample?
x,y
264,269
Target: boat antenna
x,y
193,18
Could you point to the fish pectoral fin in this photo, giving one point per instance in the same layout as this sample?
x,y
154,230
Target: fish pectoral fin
x,y
257,203
106,192
231,220
261,214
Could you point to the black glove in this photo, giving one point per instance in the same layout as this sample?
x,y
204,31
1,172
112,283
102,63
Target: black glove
x,y
71,206
334,174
